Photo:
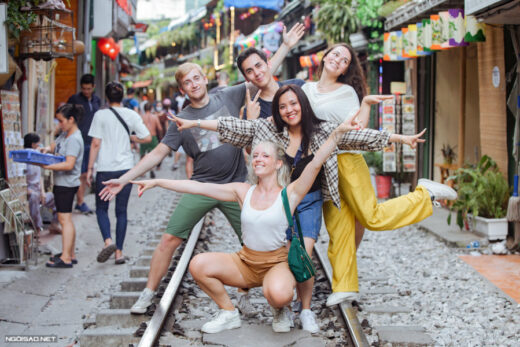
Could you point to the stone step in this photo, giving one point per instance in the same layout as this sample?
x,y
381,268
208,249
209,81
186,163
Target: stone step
x,y
134,284
151,243
139,271
123,300
121,318
143,260
157,236
403,336
148,250
108,336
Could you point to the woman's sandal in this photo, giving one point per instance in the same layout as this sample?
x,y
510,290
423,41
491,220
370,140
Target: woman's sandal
x,y
57,255
58,263
121,260
106,253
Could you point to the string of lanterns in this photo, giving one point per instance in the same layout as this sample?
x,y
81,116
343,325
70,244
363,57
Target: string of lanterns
x,y
249,13
108,47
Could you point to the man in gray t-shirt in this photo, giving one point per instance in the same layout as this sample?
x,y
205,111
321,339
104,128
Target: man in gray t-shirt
x,y
214,161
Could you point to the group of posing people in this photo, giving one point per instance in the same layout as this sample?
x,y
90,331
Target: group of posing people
x,y
312,129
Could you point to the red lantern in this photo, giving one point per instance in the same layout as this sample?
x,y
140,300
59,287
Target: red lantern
x,y
108,47
113,52
104,45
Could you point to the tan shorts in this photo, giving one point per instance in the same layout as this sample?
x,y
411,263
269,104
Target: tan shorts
x,y
253,265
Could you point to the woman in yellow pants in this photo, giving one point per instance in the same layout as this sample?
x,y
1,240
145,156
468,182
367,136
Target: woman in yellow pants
x,y
335,96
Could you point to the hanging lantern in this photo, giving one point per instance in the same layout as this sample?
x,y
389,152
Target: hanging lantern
x,y
386,46
405,44
412,40
421,39
436,24
474,30
104,45
456,27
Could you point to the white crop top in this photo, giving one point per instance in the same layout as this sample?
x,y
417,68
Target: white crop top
x,y
263,230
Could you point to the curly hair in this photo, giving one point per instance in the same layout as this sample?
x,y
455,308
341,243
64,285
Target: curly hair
x,y
354,75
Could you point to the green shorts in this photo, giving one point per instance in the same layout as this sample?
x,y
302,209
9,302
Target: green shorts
x,y
148,147
192,208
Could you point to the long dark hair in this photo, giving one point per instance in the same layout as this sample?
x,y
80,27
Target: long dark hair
x,y
309,120
354,75
71,111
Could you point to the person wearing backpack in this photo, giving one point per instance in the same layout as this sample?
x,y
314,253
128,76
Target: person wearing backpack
x,y
111,150
130,102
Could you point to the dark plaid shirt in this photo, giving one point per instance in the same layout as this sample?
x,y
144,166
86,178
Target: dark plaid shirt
x,y
242,133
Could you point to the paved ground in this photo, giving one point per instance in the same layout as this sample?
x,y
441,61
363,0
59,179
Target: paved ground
x,y
60,301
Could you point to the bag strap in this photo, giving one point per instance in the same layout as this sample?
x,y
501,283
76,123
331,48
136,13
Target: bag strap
x,y
287,209
121,120
297,158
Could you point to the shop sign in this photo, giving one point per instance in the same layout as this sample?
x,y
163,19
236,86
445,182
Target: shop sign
x,y
4,61
125,6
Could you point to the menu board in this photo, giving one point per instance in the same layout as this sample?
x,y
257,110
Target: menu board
x,y
408,128
13,140
389,124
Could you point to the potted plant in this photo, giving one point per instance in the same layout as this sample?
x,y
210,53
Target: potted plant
x,y
448,153
482,200
383,182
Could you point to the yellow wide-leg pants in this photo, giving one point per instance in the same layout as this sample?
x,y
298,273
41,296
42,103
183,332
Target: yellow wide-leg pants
x,y
358,201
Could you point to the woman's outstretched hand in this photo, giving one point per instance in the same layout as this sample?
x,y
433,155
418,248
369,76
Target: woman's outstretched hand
x,y
181,123
144,185
352,123
375,99
413,140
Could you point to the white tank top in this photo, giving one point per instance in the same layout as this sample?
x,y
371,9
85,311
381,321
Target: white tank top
x,y
263,230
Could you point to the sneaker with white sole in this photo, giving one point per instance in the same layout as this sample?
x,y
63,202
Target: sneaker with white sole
x,y
339,297
282,321
145,300
244,305
438,191
224,320
308,319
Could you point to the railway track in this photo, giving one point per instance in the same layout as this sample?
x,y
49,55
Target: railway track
x,y
176,317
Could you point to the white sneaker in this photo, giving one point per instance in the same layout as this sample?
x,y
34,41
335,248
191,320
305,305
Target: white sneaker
x,y
244,305
282,321
224,320
145,300
339,297
438,191
308,319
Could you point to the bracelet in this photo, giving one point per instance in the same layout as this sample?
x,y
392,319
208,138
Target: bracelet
x,y
198,123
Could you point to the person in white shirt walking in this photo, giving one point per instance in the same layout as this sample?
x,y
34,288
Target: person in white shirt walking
x,y
111,135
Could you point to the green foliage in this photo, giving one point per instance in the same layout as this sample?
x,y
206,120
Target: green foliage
x,y
336,19
389,7
17,20
482,191
375,160
366,12
181,36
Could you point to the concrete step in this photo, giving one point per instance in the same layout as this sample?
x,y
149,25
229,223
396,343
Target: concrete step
x,y
139,271
148,251
157,236
123,300
143,260
108,336
151,243
134,284
121,318
403,336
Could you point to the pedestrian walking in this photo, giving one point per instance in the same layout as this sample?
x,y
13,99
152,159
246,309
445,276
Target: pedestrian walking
x,y
90,103
66,180
262,261
222,80
111,137
130,101
154,126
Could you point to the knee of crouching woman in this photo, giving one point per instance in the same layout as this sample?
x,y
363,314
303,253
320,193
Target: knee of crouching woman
x,y
196,266
278,295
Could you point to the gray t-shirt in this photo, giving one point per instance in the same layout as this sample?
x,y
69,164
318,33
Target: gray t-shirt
x,y
69,146
214,162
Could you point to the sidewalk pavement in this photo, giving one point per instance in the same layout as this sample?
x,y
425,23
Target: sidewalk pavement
x,y
60,301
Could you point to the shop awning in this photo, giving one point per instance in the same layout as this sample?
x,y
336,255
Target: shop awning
x,y
494,11
141,84
415,10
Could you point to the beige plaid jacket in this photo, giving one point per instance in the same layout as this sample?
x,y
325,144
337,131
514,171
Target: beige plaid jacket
x,y
242,133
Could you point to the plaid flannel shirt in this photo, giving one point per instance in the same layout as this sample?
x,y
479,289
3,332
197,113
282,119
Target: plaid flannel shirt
x,y
242,133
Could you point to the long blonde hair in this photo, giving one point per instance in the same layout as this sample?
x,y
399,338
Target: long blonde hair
x,y
282,174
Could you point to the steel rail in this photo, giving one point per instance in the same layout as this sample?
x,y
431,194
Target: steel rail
x,y
155,325
347,311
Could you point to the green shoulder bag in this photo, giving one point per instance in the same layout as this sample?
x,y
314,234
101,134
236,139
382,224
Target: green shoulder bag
x,y
299,261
